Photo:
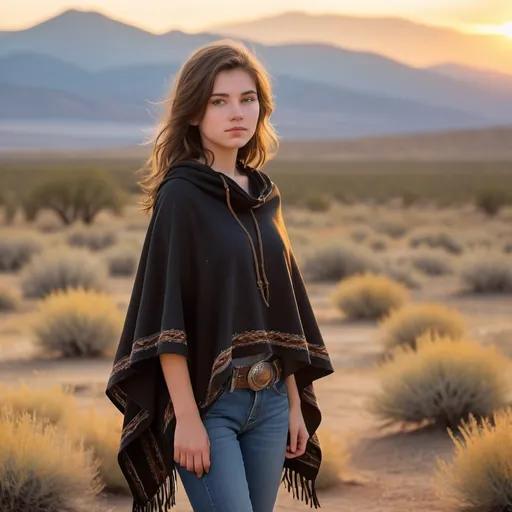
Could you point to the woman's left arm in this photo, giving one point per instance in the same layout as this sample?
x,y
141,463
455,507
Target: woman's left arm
x,y
297,428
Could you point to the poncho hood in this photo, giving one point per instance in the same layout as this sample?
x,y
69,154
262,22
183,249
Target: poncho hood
x,y
212,183
217,280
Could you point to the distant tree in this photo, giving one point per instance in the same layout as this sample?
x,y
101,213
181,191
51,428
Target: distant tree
x,y
491,201
78,194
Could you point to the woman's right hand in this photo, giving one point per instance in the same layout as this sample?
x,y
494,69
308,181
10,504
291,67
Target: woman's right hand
x,y
191,444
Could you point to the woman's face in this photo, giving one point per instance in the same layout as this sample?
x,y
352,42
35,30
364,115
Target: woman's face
x,y
233,104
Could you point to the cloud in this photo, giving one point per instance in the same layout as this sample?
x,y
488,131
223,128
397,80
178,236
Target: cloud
x,y
492,12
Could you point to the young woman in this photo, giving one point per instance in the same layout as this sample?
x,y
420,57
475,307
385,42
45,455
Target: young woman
x,y
220,346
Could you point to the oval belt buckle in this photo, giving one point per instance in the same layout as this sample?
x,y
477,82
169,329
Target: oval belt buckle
x,y
260,375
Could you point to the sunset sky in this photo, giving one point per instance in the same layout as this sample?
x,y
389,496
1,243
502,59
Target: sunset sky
x,y
160,15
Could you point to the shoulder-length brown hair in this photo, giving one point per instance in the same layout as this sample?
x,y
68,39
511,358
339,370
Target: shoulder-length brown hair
x,y
178,140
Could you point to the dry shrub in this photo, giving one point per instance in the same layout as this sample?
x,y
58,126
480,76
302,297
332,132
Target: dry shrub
x,y
340,261
78,323
17,250
436,238
94,239
52,405
317,203
361,233
395,228
488,273
70,268
406,325
42,470
404,273
10,299
378,243
479,478
101,433
122,260
334,460
432,262
369,296
507,248
441,382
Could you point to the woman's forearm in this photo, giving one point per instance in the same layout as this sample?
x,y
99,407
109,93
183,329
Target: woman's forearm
x,y
293,392
177,378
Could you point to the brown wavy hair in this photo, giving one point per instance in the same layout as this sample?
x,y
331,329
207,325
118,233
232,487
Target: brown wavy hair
x,y
178,140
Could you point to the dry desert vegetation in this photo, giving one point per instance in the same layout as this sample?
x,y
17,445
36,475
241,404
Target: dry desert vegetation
x,y
414,299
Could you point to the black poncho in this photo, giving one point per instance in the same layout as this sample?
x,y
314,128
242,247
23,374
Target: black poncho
x,y
217,280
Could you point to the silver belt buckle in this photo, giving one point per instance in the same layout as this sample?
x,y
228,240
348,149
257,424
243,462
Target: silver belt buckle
x,y
260,375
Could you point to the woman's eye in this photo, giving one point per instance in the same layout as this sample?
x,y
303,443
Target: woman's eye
x,y
249,99
216,102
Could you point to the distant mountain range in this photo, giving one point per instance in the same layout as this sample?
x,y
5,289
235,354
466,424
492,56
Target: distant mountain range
x,y
85,67
413,43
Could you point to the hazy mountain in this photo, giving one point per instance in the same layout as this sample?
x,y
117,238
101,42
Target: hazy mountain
x,y
488,79
28,102
401,39
304,108
95,42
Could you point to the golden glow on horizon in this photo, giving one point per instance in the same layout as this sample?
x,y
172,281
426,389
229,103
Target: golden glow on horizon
x,y
503,30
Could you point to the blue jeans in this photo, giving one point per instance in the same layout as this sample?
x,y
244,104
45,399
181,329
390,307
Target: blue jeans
x,y
248,432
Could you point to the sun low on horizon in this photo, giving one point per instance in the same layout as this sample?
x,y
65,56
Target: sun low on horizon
x,y
504,30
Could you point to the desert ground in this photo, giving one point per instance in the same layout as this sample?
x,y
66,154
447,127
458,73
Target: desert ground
x,y
387,469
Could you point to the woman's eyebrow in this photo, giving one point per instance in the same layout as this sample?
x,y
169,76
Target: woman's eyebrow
x,y
225,95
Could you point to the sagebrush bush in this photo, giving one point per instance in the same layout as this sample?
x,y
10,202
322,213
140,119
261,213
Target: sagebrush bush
x,y
17,250
334,460
42,470
404,273
361,233
78,323
432,262
71,268
507,248
395,228
318,203
491,201
369,296
488,273
10,299
100,433
340,261
52,404
436,239
122,260
478,479
404,326
441,382
378,243
94,239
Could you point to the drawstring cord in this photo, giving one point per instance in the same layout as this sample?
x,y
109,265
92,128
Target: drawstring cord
x,y
263,284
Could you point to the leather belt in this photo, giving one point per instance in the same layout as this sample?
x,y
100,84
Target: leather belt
x,y
258,376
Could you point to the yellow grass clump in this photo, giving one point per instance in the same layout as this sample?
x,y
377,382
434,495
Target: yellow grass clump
x,y
369,296
52,404
441,382
78,323
479,478
59,271
404,326
334,460
42,470
101,434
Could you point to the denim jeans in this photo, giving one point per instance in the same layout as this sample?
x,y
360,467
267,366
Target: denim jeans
x,y
248,432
